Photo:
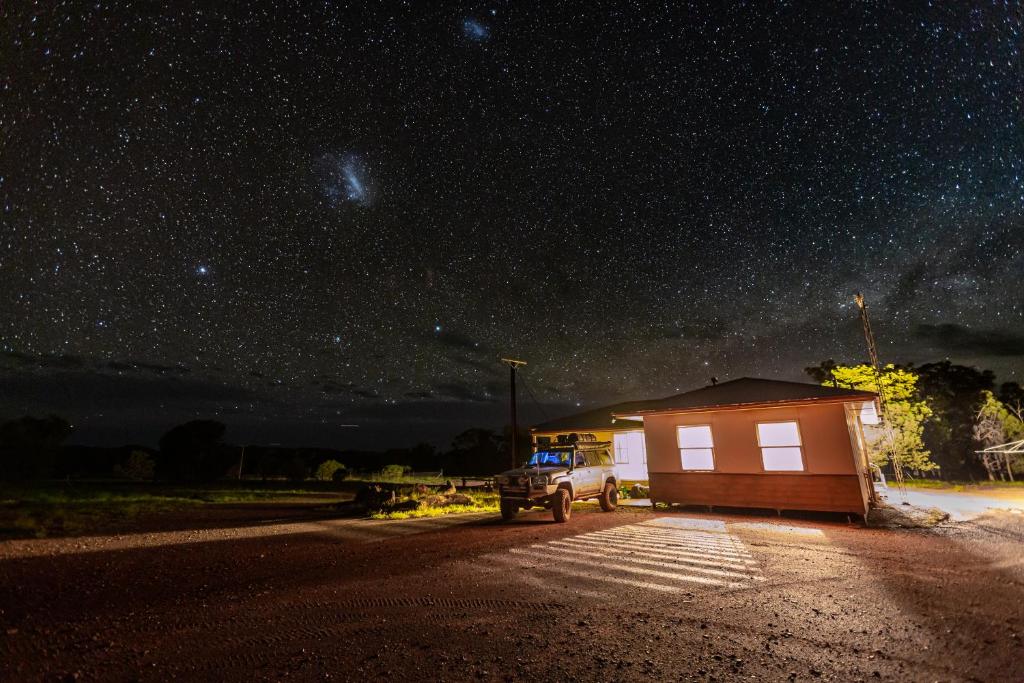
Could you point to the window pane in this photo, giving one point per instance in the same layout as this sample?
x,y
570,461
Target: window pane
x,y
621,448
629,447
778,434
868,414
695,437
697,458
782,459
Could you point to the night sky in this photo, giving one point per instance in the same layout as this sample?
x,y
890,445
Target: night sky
x,y
297,217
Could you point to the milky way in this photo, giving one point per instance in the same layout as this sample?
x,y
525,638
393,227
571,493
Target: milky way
x,y
296,217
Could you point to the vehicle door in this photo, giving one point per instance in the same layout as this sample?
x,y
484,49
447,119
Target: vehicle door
x,y
587,473
607,468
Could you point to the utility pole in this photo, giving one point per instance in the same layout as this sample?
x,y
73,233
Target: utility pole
x,y
513,365
869,337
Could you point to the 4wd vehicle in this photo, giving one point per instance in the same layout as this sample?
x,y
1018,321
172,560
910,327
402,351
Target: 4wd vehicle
x,y
555,477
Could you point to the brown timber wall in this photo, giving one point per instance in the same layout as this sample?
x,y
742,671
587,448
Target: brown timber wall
x,y
827,492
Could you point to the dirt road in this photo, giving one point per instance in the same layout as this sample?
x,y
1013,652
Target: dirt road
x,y
622,596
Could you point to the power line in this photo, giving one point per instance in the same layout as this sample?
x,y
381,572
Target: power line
x,y
534,399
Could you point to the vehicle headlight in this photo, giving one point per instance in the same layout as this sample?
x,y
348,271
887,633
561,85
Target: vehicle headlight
x,y
539,481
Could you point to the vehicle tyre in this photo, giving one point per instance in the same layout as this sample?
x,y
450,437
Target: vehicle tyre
x,y
508,510
561,506
609,497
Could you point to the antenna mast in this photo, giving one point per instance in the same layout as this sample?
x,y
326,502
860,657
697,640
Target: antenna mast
x,y
883,405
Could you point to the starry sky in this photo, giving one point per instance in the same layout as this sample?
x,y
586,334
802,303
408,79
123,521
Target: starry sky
x,y
323,223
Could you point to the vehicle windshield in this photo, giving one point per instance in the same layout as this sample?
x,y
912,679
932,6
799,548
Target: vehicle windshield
x,y
544,458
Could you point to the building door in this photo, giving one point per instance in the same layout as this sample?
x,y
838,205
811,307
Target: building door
x,y
630,456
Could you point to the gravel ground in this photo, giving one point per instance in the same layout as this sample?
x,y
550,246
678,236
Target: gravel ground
x,y
623,596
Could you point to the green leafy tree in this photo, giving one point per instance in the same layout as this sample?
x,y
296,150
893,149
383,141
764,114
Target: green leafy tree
x,y
327,469
908,413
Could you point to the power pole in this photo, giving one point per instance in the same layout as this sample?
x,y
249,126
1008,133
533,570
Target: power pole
x,y
513,365
883,405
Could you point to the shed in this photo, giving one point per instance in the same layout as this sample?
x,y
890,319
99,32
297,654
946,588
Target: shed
x,y
759,443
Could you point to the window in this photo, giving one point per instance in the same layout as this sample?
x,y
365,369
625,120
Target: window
x,y
696,447
780,446
630,448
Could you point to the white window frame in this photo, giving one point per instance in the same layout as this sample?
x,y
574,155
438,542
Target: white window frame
x,y
799,445
682,450
620,448
627,448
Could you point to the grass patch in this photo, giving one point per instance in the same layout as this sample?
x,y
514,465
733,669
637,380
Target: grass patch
x,y
960,485
479,502
409,480
68,509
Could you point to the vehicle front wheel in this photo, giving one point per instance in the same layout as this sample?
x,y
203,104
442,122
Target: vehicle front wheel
x,y
508,509
561,505
609,497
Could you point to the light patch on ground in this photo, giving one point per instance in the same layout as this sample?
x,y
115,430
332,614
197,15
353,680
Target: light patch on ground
x,y
667,555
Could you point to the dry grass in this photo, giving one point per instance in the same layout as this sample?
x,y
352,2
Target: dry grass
x,y
68,509
481,502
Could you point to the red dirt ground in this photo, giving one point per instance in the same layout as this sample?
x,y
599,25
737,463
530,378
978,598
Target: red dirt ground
x,y
619,596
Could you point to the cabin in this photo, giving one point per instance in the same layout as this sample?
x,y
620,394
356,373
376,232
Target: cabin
x,y
758,443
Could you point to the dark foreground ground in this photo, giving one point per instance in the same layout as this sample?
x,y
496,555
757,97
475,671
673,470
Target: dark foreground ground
x,y
623,596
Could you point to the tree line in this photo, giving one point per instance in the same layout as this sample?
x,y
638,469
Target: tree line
x,y
941,415
196,451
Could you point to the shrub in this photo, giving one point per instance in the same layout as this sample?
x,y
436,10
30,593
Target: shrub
x,y
139,466
393,471
327,470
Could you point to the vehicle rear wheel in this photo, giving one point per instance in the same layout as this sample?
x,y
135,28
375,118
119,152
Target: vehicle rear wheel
x,y
561,506
609,497
508,509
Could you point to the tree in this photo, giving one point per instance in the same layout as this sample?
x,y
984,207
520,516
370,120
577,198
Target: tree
x,y
138,466
29,445
424,457
907,412
327,470
476,451
824,373
955,393
194,452
1012,396
995,425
